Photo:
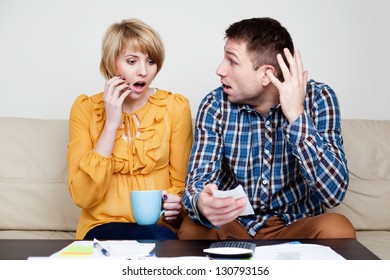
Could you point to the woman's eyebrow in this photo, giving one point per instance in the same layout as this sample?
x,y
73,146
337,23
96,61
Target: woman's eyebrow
x,y
132,55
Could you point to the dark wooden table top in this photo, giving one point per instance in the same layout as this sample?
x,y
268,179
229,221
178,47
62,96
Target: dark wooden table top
x,y
21,249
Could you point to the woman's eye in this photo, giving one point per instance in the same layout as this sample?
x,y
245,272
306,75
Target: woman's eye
x,y
131,61
151,62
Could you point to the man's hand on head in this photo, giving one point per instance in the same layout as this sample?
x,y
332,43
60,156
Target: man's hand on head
x,y
293,90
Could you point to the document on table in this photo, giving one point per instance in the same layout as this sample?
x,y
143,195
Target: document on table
x,y
295,251
236,193
285,251
118,249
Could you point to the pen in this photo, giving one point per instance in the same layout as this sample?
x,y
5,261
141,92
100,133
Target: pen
x,y
97,245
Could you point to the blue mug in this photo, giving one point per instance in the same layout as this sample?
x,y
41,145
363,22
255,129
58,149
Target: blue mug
x,y
146,206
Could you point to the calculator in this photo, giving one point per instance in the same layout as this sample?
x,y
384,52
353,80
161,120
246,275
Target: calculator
x,y
231,249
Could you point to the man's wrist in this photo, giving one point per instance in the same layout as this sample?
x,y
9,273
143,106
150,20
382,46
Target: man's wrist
x,y
196,214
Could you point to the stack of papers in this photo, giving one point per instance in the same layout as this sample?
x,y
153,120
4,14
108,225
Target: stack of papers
x,y
295,251
118,249
288,251
131,249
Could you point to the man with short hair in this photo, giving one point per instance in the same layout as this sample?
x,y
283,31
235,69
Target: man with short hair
x,y
272,131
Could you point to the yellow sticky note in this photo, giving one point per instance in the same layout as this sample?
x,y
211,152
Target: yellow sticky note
x,y
77,251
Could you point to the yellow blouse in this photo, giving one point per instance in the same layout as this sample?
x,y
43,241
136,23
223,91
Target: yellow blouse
x,y
155,158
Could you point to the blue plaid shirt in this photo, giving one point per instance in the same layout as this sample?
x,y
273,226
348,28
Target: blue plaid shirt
x,y
287,170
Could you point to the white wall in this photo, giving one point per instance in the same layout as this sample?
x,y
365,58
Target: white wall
x,y
50,50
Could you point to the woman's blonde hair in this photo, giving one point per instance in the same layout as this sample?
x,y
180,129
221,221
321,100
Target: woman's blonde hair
x,y
130,33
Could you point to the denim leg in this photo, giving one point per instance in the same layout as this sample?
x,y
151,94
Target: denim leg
x,y
130,231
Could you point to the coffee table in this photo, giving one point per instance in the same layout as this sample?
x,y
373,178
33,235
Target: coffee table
x,y
21,249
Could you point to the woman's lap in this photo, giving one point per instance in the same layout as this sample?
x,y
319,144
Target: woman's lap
x,y
127,231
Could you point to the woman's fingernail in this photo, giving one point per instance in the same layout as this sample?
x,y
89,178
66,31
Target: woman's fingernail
x,y
165,197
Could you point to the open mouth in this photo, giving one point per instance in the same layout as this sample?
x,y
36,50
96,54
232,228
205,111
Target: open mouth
x,y
225,86
139,86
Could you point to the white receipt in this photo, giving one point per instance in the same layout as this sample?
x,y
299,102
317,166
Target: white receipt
x,y
236,193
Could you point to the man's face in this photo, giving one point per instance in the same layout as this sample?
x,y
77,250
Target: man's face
x,y
242,84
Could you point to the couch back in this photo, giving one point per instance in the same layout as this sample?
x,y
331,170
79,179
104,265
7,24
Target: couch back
x,y
367,147
33,176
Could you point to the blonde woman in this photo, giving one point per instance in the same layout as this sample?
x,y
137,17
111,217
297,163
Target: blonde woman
x,y
129,137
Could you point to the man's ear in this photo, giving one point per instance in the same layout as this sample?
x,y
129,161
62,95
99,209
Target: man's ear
x,y
265,80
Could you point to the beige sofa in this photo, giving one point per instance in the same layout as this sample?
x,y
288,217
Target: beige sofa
x,y
35,203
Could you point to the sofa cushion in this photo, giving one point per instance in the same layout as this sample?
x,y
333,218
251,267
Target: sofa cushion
x,y
367,147
33,176
377,242
36,234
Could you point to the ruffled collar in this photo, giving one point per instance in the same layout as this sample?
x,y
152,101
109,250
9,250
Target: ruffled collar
x,y
150,132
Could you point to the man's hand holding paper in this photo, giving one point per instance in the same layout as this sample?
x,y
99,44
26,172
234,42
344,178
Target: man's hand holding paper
x,y
221,207
236,194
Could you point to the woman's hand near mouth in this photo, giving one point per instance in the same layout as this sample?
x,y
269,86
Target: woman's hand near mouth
x,y
115,92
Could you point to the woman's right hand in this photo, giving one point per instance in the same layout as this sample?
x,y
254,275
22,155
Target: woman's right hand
x,y
115,92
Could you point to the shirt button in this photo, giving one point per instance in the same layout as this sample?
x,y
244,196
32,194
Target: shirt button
x,y
266,152
263,208
267,123
265,182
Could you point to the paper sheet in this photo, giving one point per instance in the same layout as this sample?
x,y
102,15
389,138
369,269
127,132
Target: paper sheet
x,y
236,193
295,251
121,249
